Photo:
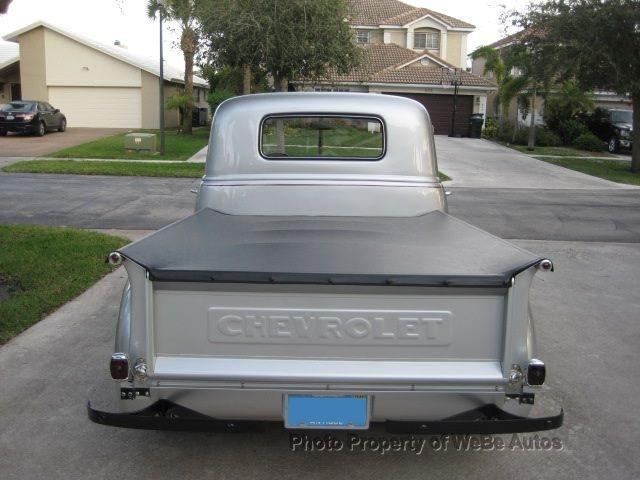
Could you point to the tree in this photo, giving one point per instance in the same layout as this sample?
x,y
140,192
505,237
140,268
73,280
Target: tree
x,y
594,41
184,13
287,38
510,82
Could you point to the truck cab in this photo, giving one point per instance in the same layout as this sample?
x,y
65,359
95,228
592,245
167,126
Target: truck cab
x,y
322,284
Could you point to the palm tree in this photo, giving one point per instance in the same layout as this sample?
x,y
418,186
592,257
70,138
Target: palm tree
x,y
511,82
184,13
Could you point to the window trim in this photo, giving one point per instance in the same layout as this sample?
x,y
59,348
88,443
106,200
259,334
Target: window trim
x,y
438,35
360,31
324,115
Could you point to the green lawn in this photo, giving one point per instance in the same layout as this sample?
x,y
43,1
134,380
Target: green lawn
x,y
616,171
444,177
41,268
88,167
559,151
177,147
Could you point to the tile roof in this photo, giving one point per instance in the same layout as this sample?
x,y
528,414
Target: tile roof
x,y
383,64
394,12
9,53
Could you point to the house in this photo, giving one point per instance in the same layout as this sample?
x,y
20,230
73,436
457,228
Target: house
x,y
95,85
601,98
416,53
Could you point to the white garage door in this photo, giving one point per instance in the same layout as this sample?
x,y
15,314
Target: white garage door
x,y
98,107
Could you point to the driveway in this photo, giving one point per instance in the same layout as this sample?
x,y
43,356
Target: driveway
x,y
586,315
480,163
15,145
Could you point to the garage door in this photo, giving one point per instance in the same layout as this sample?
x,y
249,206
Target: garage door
x,y
98,107
440,108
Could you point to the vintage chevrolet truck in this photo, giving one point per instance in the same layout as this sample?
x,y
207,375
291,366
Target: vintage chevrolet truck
x,y
321,283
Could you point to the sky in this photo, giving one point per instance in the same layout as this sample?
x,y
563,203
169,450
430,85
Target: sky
x,y
126,20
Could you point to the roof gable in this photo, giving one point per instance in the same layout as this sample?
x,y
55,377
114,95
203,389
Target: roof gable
x,y
145,63
394,12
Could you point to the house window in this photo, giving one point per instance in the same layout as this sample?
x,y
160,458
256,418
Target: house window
x,y
428,40
363,36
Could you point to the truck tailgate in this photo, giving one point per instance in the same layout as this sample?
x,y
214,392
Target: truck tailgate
x,y
326,334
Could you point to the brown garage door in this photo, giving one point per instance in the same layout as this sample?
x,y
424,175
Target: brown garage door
x,y
440,108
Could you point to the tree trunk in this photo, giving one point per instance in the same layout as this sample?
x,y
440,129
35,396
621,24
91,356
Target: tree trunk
x,y
188,45
531,145
280,84
246,79
515,124
635,155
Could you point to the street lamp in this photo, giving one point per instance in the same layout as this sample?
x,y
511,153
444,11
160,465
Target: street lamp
x,y
456,81
161,5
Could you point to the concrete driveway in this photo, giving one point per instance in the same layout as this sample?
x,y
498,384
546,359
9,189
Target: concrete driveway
x,y
479,163
15,145
586,314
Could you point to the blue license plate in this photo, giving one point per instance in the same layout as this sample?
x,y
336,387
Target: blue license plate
x,y
330,412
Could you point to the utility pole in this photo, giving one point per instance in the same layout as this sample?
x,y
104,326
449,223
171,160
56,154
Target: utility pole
x,y
161,10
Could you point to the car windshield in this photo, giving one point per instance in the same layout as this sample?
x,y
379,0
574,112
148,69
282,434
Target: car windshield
x,y
18,107
621,116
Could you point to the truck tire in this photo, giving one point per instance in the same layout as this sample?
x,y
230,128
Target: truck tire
x,y
614,145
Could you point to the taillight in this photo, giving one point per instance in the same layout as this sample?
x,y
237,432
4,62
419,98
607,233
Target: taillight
x,y
536,372
119,366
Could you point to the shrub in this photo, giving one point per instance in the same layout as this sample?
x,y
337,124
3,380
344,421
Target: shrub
x,y
571,129
216,97
490,129
547,138
588,141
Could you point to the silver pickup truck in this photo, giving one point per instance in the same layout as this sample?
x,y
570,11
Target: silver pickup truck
x,y
322,284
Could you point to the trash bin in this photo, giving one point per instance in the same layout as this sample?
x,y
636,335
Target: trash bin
x,y
475,125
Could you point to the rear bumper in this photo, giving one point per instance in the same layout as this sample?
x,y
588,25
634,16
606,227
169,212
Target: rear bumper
x,y
26,127
166,415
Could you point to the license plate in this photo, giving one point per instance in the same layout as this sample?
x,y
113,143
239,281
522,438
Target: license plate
x,y
10,117
327,412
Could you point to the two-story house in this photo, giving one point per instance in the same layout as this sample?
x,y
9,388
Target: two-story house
x,y
417,53
601,98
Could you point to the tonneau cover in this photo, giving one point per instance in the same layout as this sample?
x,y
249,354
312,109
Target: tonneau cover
x,y
435,249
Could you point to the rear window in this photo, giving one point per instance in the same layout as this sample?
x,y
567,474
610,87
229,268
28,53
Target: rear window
x,y
17,107
307,137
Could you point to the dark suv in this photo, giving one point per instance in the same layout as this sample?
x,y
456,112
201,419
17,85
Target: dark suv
x,y
30,117
614,127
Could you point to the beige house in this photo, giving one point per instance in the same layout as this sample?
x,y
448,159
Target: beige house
x,y
413,52
94,85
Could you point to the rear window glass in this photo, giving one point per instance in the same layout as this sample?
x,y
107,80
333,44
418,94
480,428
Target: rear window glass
x,y
322,137
17,107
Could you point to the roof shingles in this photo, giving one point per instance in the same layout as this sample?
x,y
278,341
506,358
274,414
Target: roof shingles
x,y
384,62
394,12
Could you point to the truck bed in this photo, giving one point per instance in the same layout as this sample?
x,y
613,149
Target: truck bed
x,y
435,250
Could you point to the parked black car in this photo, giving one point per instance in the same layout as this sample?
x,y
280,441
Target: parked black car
x,y
30,117
614,127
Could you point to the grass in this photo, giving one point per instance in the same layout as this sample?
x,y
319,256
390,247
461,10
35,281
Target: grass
x,y
444,177
177,147
42,268
616,171
88,167
558,151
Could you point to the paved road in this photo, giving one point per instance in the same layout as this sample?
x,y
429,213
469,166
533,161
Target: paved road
x,y
587,326
150,203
